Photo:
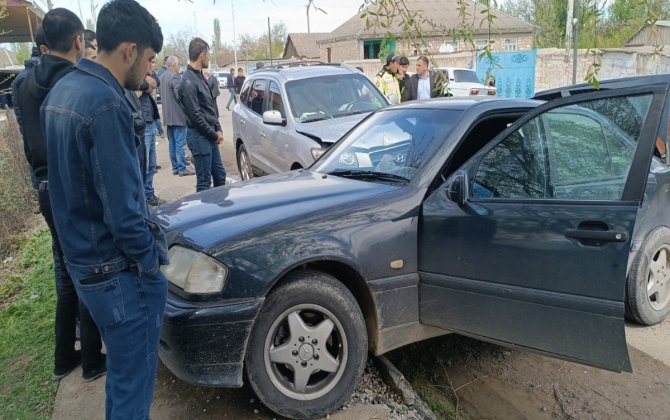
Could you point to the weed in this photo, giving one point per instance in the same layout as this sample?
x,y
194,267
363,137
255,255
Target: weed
x,y
27,389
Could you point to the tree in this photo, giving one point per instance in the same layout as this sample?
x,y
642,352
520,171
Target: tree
x,y
22,51
177,44
216,41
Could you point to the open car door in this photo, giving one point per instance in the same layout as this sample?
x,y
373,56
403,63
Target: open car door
x,y
526,245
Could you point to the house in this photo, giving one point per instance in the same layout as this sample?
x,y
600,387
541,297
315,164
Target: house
x,y
20,21
303,44
646,36
354,40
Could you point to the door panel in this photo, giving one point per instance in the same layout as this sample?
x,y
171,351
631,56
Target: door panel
x,y
536,256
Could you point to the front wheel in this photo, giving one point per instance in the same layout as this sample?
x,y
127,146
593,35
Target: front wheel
x,y
244,164
648,294
308,348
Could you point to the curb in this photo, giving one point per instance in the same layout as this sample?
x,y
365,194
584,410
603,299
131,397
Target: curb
x,y
394,379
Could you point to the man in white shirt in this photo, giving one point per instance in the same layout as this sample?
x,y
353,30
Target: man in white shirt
x,y
425,84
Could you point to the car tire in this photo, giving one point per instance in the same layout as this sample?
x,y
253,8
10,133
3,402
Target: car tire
x,y
244,164
648,288
287,336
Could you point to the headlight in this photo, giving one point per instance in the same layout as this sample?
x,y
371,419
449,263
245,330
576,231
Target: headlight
x,y
194,272
317,152
348,159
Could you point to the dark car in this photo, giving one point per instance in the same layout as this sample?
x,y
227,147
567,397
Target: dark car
x,y
512,221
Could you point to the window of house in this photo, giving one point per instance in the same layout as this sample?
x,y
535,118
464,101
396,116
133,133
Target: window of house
x,y
510,44
481,43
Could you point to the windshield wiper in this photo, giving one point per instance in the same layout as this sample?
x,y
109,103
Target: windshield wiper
x,y
370,174
315,119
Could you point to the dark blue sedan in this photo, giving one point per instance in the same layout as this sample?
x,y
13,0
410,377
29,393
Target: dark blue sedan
x,y
534,224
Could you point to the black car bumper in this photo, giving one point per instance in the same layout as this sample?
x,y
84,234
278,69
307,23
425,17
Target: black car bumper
x,y
205,345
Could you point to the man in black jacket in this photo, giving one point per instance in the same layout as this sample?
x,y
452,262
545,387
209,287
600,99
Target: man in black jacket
x,y
425,84
150,112
204,132
64,32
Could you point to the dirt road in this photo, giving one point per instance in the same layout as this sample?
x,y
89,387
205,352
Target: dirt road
x,y
493,382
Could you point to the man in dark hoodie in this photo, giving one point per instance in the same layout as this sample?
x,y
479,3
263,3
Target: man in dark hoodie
x,y
64,34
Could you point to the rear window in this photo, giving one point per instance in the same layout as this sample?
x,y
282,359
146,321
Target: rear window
x,y
465,76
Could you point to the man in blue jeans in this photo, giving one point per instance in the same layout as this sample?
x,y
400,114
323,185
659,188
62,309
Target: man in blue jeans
x,y
204,131
230,82
112,250
173,115
151,115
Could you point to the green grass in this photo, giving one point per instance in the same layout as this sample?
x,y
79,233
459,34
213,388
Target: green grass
x,y
27,387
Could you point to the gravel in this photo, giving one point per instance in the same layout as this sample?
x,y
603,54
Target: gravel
x,y
372,390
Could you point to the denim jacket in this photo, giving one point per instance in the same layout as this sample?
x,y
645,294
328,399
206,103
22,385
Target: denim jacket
x,y
96,189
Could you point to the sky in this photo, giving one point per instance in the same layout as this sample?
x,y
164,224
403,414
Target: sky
x,y
251,16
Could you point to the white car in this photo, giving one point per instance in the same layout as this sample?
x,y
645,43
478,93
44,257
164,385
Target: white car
x,y
464,82
222,77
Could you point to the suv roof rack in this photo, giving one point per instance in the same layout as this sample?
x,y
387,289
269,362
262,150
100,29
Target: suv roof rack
x,y
294,64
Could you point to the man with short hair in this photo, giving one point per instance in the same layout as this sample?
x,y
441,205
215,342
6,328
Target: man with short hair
x,y
65,33
230,82
91,44
151,117
386,79
204,133
239,82
113,251
425,84
174,116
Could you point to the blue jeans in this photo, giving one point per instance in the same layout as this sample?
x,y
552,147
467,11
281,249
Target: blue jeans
x,y
177,138
207,161
233,97
159,127
128,308
150,154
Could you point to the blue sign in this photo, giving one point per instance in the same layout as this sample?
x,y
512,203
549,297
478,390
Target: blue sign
x,y
513,72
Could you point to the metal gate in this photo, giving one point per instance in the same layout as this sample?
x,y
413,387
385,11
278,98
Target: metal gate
x,y
513,73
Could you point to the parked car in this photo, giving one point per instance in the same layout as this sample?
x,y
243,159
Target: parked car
x,y
534,224
288,116
464,82
222,77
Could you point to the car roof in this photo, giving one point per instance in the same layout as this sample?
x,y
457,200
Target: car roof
x,y
454,68
612,84
297,71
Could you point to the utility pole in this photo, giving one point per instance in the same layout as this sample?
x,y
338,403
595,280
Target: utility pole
x,y
232,7
575,38
50,5
309,3
270,40
94,14
569,24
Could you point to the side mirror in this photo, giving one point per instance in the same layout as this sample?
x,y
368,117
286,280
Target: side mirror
x,y
273,118
457,188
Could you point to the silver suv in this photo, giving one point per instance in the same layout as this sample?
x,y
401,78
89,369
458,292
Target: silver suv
x,y
289,115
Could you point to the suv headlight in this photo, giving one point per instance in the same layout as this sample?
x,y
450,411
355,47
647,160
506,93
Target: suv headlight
x,y
195,272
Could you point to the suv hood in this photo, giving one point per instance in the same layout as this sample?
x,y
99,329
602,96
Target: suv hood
x,y
331,130
210,217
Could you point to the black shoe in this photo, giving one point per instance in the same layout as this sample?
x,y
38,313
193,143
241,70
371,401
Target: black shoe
x,y
187,173
89,375
62,371
175,173
155,201
158,167
228,108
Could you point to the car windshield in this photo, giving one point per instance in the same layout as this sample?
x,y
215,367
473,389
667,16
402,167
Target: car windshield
x,y
326,97
465,76
391,145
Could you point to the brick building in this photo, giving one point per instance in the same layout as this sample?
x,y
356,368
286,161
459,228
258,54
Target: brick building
x,y
353,40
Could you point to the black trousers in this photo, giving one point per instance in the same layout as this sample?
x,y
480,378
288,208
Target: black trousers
x,y
68,306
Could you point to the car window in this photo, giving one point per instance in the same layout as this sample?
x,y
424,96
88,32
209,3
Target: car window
x,y
255,100
333,96
393,142
275,102
246,89
575,152
465,76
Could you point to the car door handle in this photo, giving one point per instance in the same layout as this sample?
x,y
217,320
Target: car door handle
x,y
263,135
242,122
596,235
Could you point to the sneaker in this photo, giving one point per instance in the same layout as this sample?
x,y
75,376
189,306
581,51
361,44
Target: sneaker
x,y
228,108
187,173
155,201
158,167
89,375
63,371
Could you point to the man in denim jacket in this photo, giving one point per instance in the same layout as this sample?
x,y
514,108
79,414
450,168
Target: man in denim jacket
x,y
112,251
